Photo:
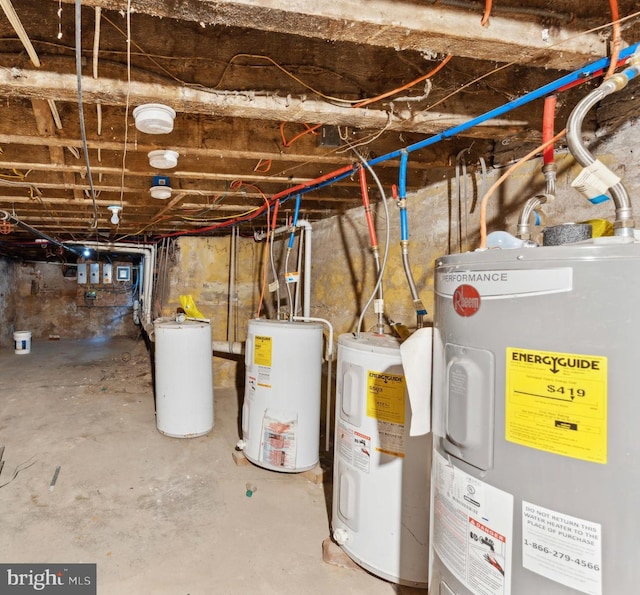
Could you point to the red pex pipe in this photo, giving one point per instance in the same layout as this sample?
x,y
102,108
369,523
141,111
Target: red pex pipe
x,y
367,208
548,119
332,174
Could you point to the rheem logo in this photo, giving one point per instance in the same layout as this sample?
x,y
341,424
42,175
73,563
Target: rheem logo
x,y
466,300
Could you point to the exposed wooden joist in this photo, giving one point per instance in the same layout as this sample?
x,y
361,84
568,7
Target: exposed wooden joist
x,y
219,152
46,128
63,87
430,26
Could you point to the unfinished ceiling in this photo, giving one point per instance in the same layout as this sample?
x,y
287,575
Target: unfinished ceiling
x,y
269,95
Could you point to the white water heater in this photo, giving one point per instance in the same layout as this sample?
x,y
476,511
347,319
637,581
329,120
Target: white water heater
x,y
281,409
183,378
381,474
536,466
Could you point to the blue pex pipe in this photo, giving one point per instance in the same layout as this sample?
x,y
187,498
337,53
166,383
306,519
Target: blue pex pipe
x,y
295,221
583,73
402,177
402,194
404,225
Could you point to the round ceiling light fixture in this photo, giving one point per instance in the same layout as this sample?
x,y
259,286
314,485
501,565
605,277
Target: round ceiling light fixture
x,y
163,158
154,118
161,188
160,192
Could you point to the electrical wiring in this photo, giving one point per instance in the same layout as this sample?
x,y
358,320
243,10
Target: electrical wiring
x,y
523,61
263,166
353,102
288,73
83,132
265,258
272,259
17,175
19,468
408,85
126,106
485,199
616,42
487,13
309,130
581,75
367,139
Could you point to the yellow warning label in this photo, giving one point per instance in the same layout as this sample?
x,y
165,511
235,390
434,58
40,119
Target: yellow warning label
x,y
557,402
385,396
262,350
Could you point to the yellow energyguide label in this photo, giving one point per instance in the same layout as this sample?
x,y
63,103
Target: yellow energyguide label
x,y
385,396
557,402
262,350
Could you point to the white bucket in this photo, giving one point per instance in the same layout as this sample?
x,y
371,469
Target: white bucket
x,y
22,342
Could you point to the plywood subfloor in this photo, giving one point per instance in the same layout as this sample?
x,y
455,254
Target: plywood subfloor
x,y
158,515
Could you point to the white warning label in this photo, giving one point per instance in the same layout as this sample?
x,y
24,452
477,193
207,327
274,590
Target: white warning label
x,y
472,529
563,548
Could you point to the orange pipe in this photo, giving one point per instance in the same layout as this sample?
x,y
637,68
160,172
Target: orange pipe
x,y
548,118
367,208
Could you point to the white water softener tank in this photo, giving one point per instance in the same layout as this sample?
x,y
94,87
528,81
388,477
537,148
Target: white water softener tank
x,y
281,409
381,474
536,466
183,378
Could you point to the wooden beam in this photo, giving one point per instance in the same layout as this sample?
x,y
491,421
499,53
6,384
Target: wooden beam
x,y
47,129
63,87
401,24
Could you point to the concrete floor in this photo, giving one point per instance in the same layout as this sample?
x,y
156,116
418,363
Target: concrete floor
x,y
157,515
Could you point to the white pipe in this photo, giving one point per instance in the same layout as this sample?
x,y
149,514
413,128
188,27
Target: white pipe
x,y
306,301
149,253
327,430
232,284
228,347
258,236
296,301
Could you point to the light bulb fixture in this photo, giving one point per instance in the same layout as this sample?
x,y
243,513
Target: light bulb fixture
x,y
115,209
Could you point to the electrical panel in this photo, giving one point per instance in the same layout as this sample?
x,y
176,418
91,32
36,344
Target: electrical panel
x,y
107,269
82,273
94,272
104,285
123,273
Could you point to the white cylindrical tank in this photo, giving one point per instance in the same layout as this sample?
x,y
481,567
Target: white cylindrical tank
x,y
535,419
281,409
183,378
381,474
